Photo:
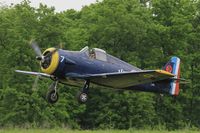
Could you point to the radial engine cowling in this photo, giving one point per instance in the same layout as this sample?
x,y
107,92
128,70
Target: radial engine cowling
x,y
51,60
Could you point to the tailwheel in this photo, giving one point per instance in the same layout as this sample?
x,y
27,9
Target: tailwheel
x,y
82,97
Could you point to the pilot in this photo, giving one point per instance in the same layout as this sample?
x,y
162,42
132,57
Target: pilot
x,y
92,54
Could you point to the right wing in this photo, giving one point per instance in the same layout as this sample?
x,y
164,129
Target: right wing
x,y
124,79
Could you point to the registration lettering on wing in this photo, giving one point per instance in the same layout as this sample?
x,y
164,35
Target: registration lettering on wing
x,y
120,70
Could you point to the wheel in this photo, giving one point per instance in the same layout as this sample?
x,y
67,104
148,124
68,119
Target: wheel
x,y
52,97
82,97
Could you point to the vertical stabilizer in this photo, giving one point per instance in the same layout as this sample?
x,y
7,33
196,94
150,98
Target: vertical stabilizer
x,y
173,66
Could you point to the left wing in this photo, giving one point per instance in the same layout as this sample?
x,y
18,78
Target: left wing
x,y
127,79
34,73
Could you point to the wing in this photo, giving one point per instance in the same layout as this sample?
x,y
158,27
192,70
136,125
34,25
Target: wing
x,y
34,73
127,79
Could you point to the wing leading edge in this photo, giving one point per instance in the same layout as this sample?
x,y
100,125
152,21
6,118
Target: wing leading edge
x,y
127,79
34,73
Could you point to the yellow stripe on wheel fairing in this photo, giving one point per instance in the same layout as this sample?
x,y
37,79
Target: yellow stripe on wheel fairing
x,y
54,62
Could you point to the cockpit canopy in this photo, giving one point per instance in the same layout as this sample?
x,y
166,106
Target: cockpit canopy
x,y
99,54
95,53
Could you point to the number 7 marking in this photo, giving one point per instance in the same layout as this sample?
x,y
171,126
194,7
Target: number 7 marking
x,y
62,58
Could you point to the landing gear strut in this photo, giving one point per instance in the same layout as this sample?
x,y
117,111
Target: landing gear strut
x,y
52,94
83,95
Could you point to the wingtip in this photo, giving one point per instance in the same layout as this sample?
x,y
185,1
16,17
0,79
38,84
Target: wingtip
x,y
19,71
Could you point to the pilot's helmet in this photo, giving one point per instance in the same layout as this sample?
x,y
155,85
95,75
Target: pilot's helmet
x,y
92,53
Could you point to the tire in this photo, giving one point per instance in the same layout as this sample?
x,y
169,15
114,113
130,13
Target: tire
x,y
52,97
82,97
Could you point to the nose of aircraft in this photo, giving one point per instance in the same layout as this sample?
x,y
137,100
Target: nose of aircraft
x,y
50,61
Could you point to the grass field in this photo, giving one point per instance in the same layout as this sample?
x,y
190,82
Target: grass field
x,y
89,131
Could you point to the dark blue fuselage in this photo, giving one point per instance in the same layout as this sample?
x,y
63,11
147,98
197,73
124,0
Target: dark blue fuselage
x,y
79,63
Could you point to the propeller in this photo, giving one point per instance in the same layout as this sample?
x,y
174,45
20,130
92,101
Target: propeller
x,y
35,84
37,50
40,56
53,85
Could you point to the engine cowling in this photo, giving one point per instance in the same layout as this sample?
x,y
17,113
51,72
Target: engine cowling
x,y
51,61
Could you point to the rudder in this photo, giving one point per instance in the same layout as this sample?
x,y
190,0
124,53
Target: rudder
x,y
173,66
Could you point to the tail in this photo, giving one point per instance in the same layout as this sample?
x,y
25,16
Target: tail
x,y
173,66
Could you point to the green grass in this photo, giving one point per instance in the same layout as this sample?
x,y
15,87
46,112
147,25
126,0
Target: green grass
x,y
89,131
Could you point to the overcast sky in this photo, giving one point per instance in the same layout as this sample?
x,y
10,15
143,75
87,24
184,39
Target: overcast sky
x,y
60,5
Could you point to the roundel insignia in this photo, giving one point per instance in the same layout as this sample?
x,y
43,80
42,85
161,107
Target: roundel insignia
x,y
169,68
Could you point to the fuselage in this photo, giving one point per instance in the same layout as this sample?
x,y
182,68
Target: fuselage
x,y
82,64
66,64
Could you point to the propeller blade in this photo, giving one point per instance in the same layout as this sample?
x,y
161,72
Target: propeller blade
x,y
52,86
36,48
61,45
35,84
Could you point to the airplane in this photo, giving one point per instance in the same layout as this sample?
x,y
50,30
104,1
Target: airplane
x,y
96,67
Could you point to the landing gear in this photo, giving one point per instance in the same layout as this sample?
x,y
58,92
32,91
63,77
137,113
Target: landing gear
x,y
83,95
52,94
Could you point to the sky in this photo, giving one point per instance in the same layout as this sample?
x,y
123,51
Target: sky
x,y
60,5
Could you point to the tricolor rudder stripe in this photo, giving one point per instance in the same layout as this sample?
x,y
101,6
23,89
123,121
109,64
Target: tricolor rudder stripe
x,y
173,66
176,71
